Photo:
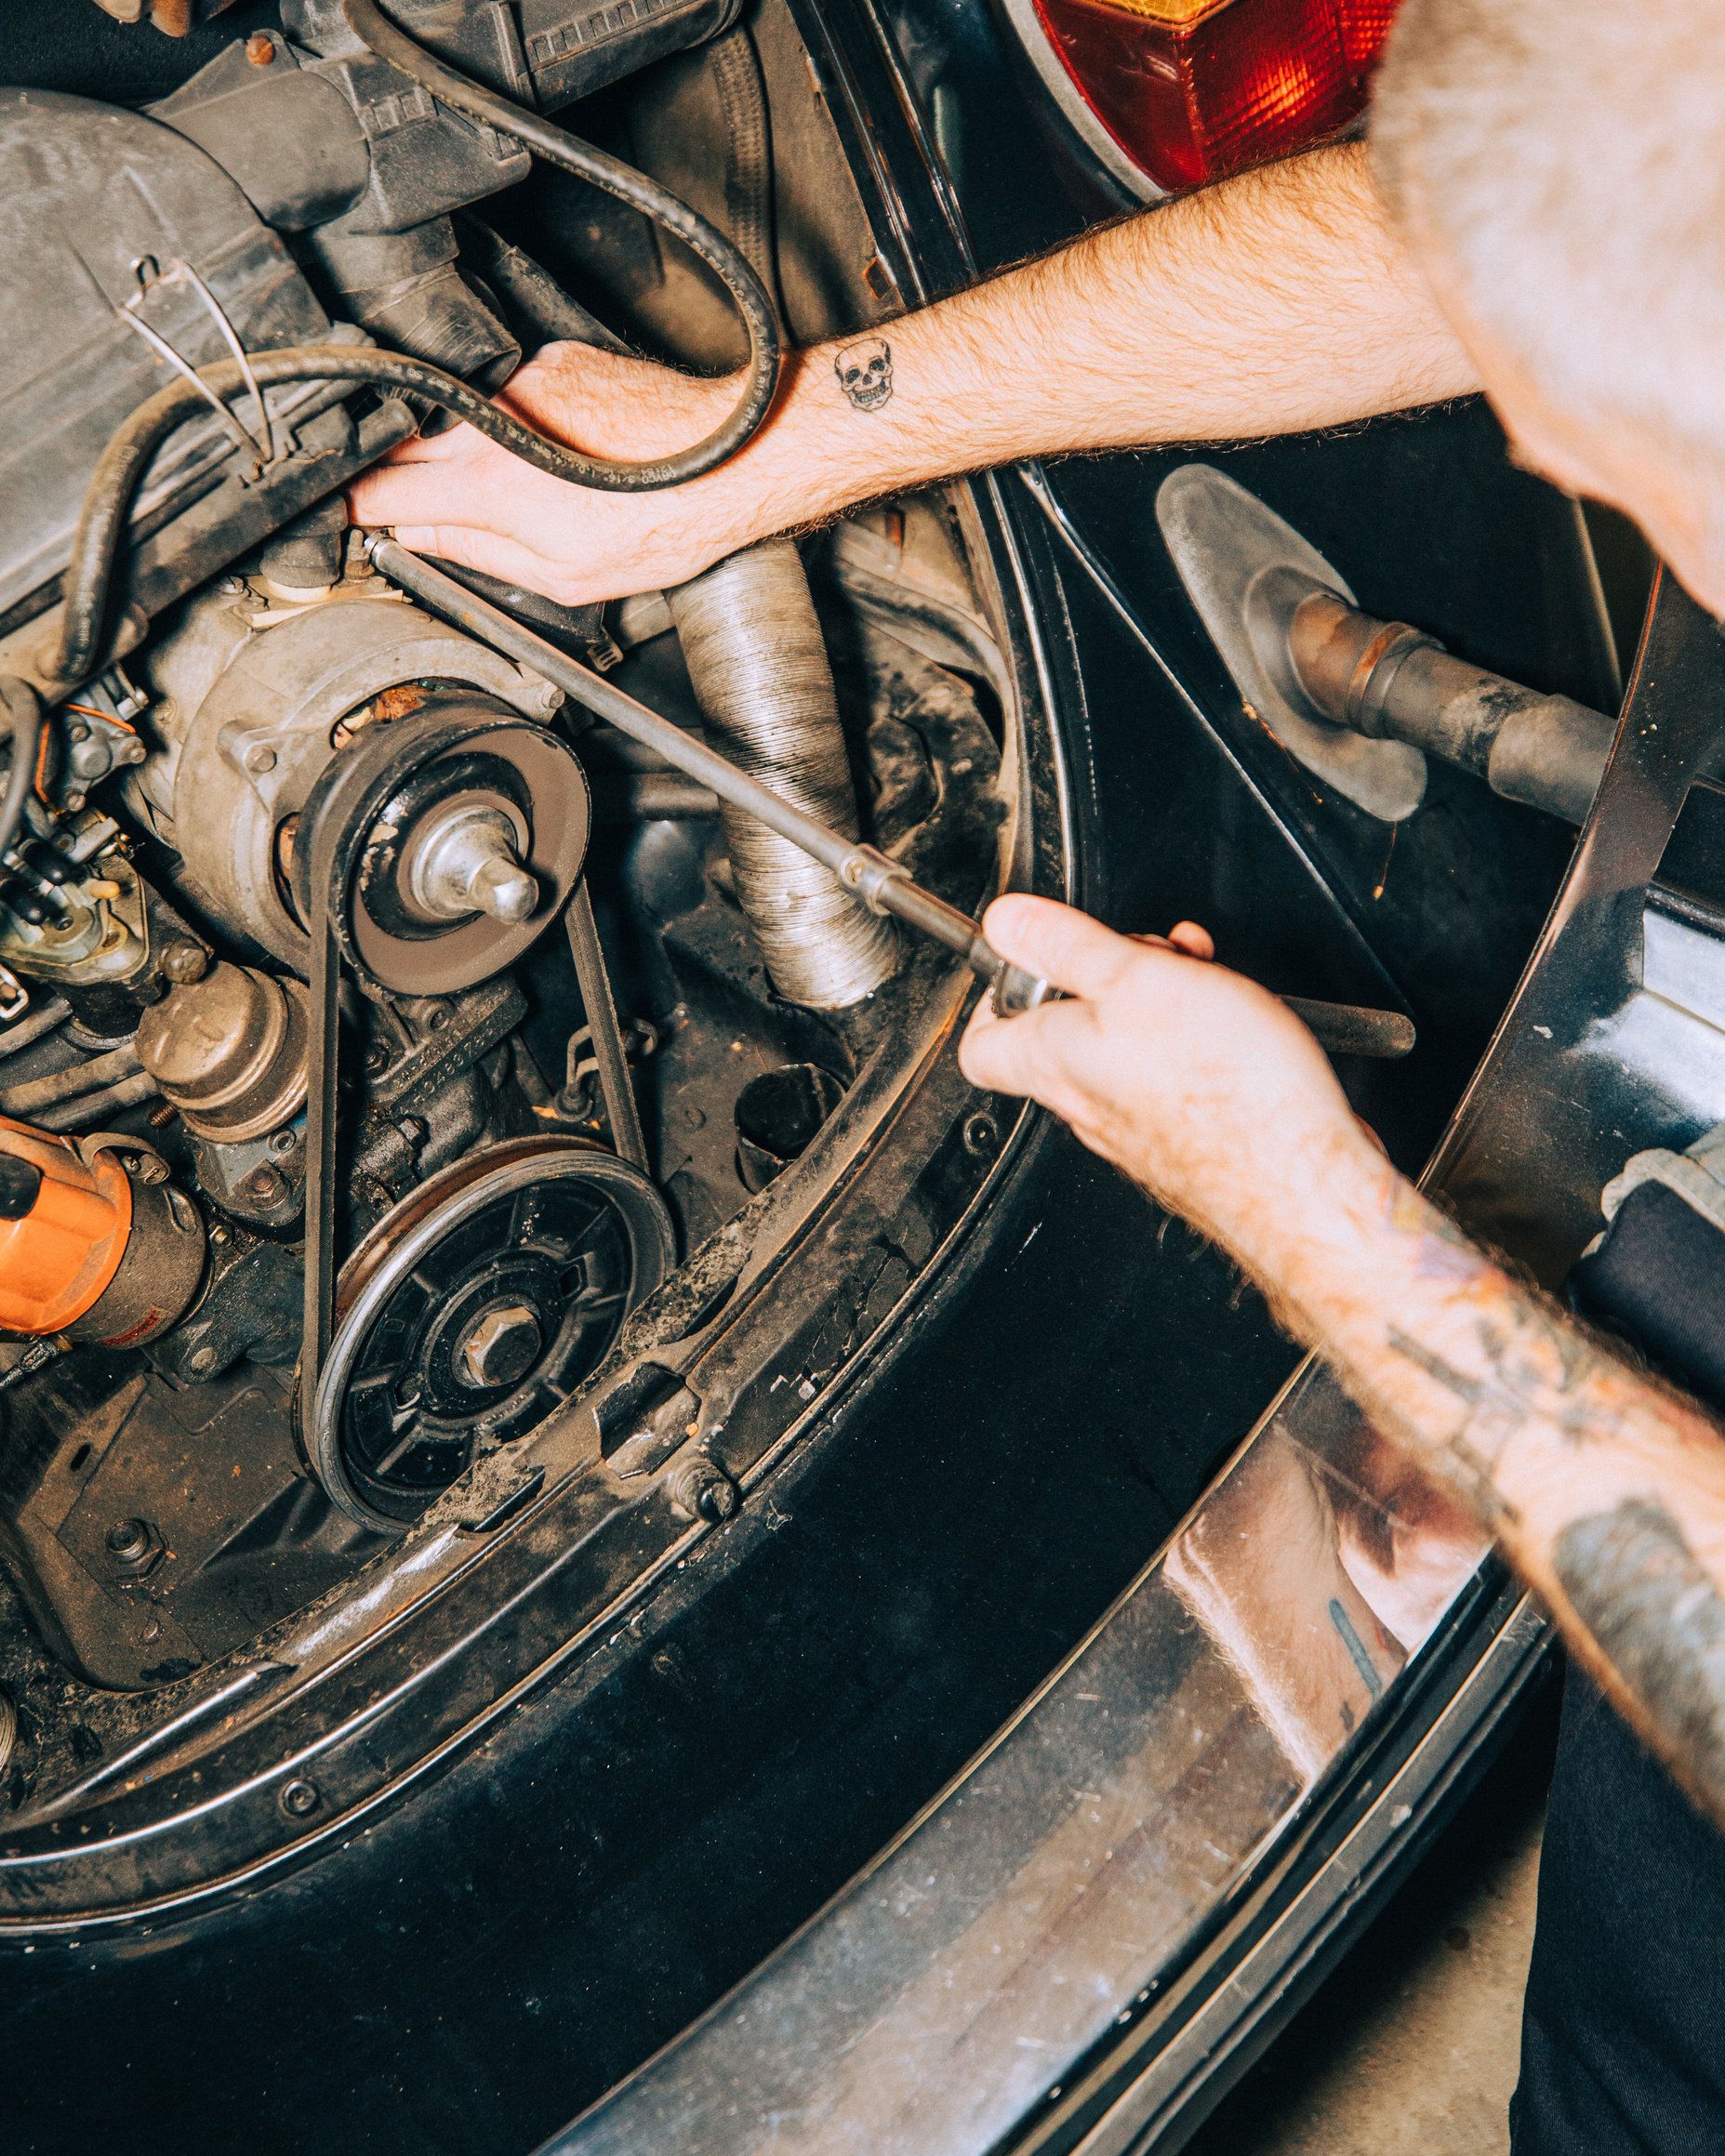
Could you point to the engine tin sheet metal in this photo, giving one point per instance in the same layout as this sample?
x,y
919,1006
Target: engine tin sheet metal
x,y
1062,1947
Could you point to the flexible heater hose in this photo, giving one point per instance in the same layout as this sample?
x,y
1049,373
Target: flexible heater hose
x,y
758,662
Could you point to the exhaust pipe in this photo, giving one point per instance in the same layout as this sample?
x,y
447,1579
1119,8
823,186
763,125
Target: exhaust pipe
x,y
752,644
1391,683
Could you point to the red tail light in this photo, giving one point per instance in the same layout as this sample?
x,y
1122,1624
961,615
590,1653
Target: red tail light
x,y
1193,89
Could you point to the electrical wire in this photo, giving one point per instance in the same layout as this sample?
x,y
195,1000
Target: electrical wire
x,y
728,263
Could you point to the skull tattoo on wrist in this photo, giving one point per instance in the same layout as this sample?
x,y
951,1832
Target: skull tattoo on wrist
x,y
865,373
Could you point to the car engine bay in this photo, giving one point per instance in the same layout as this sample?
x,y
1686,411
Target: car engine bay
x,y
597,1057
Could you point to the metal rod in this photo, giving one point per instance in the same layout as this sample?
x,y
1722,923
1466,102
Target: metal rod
x,y
879,881
615,1085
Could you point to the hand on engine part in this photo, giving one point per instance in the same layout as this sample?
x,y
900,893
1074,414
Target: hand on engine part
x,y
1202,1086
458,495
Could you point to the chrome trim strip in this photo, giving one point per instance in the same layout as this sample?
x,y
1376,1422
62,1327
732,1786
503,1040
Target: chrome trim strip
x,y
1052,70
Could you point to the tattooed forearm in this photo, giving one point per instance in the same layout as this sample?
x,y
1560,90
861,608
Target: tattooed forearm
x,y
1605,1488
1658,1618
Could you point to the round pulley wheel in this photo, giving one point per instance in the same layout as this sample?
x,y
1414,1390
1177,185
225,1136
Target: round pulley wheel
x,y
472,1311
448,842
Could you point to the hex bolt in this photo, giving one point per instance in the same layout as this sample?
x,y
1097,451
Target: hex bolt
x,y
501,1348
184,960
135,1546
298,1798
128,1539
703,1491
265,1186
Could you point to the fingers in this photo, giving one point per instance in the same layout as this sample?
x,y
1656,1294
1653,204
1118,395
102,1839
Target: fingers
x,y
503,558
1005,1055
1194,941
453,444
1059,942
428,493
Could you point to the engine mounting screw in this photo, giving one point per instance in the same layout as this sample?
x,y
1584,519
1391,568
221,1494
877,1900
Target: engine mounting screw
x,y
260,48
260,758
202,1361
265,1186
982,1134
127,1539
184,960
704,1491
284,1141
298,1798
77,731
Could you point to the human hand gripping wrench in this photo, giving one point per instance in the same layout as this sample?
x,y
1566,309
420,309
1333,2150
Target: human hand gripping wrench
x,y
880,883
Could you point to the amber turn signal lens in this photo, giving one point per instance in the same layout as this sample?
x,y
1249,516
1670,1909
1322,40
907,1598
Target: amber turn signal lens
x,y
1194,89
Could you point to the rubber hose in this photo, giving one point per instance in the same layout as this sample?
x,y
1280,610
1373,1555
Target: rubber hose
x,y
531,290
39,1024
122,465
23,709
748,149
621,181
69,1084
753,643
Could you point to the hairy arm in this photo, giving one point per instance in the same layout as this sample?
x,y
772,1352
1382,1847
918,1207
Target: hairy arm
x,y
1268,305
1605,1490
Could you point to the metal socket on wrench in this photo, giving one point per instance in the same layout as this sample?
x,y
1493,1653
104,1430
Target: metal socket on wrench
x,y
876,879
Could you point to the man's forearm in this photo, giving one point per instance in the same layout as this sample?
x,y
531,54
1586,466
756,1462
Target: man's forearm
x,y
1272,304
1606,1491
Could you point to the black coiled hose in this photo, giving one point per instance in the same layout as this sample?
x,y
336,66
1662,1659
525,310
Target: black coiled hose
x,y
732,268
120,470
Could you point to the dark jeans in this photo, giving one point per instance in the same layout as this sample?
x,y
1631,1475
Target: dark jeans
x,y
1622,2039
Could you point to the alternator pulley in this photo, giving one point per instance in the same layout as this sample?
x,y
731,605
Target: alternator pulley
x,y
455,834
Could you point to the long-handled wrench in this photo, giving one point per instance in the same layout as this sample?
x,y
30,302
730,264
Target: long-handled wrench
x,y
876,880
